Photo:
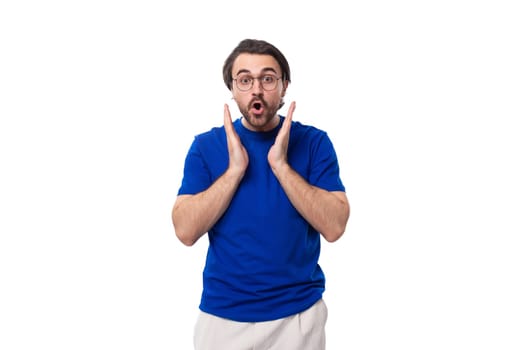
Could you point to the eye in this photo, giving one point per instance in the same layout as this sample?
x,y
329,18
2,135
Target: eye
x,y
245,80
268,79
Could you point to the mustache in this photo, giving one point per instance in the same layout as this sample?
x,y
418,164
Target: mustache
x,y
258,99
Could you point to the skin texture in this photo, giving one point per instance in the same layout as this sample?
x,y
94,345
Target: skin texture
x,y
194,215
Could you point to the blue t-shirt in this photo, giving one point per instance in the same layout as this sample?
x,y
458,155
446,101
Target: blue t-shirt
x,y
262,260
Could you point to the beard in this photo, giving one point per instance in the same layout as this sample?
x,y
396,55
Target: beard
x,y
260,122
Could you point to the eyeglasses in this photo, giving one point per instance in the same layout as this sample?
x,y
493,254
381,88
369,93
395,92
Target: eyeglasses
x,y
245,82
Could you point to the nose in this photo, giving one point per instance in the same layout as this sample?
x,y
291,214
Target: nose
x,y
257,85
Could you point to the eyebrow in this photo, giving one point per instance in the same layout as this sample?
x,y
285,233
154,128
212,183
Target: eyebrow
x,y
264,70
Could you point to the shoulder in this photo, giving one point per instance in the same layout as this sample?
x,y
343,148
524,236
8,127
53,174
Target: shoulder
x,y
211,132
310,137
305,130
214,133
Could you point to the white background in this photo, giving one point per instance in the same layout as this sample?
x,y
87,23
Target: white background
x,y
424,101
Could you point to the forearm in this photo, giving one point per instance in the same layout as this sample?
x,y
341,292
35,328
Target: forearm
x,y
194,215
327,212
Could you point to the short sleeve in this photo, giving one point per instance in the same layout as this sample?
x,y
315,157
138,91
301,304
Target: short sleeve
x,y
325,165
196,176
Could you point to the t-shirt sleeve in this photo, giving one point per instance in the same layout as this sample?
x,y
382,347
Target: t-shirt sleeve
x,y
325,172
196,175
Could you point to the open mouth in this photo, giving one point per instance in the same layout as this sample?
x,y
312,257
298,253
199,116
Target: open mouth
x,y
257,107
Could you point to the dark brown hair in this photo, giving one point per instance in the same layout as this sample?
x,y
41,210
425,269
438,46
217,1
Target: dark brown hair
x,y
258,47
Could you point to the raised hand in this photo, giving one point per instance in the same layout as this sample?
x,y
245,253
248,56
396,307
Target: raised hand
x,y
237,153
278,154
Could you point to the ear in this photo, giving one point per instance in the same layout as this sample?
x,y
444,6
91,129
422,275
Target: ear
x,y
285,86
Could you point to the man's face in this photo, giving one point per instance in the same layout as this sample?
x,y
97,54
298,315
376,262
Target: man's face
x,y
258,89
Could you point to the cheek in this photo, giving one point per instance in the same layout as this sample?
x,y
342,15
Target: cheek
x,y
275,97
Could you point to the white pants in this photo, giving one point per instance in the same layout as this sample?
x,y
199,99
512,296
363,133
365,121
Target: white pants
x,y
302,331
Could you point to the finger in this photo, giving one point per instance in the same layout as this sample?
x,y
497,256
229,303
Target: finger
x,y
228,126
288,120
291,109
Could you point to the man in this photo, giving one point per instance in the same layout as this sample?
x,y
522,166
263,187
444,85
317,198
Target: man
x,y
265,189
